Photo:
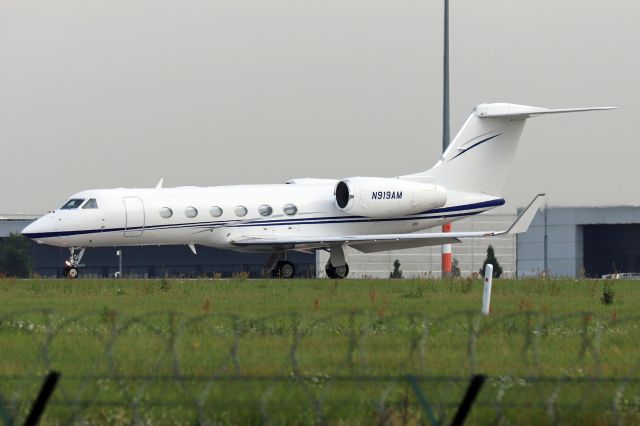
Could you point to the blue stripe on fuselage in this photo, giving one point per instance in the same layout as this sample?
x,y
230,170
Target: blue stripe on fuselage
x,y
430,214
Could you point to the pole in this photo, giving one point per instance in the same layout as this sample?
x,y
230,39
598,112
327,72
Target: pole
x,y
446,227
447,260
445,86
546,242
486,295
119,254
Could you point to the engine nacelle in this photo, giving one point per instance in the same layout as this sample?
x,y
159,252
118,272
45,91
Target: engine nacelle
x,y
387,197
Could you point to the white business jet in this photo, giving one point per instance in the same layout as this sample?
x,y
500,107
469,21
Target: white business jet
x,y
367,213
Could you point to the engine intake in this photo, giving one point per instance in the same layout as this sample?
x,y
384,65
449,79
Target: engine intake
x,y
342,194
387,197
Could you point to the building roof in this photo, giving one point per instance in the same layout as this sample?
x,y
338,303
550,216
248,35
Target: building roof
x,y
18,216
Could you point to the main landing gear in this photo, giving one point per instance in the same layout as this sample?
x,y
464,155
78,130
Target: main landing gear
x,y
337,267
336,272
284,269
278,267
73,263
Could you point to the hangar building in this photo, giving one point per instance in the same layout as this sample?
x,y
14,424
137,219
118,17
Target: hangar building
x,y
581,242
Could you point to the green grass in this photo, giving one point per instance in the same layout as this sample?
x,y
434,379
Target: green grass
x,y
120,344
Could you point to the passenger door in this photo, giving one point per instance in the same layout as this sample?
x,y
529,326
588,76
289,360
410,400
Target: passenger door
x,y
134,217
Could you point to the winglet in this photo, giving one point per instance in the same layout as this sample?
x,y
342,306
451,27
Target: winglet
x,y
525,218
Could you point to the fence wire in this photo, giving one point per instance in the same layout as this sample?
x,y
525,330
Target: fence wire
x,y
356,367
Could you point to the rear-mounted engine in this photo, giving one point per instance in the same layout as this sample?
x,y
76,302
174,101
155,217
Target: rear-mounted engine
x,y
387,197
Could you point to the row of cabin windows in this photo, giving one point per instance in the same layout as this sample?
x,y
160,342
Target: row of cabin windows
x,y
240,211
74,203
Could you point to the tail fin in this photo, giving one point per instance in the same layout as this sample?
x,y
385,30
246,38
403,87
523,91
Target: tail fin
x,y
479,158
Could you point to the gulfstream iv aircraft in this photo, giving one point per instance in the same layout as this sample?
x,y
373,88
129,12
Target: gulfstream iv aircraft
x,y
368,214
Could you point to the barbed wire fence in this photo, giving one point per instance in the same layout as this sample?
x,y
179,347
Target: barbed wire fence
x,y
356,367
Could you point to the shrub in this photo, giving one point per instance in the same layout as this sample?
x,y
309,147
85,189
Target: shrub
x,y
15,256
455,269
397,272
608,294
491,259
242,275
165,284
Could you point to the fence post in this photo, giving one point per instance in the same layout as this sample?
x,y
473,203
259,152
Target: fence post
x,y
40,403
472,392
486,295
422,399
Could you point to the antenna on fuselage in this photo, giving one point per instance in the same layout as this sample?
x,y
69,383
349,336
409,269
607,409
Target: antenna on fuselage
x,y
160,182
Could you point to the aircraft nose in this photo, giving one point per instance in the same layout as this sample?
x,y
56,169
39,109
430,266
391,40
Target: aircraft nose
x,y
36,229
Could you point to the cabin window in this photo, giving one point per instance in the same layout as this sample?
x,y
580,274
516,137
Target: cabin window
x,y
91,204
166,212
290,209
241,211
73,203
265,210
215,211
191,212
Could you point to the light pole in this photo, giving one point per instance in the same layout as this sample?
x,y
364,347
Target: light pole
x,y
446,227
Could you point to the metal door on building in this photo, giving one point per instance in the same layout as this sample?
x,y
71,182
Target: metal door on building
x,y
134,216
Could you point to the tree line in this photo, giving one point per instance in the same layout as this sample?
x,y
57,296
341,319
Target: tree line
x,y
15,256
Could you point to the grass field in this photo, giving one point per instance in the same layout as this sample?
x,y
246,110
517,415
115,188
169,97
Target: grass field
x,y
320,351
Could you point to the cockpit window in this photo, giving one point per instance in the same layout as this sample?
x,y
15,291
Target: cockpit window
x,y
91,204
73,203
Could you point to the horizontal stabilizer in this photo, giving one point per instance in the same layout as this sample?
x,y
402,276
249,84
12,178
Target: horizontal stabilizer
x,y
503,110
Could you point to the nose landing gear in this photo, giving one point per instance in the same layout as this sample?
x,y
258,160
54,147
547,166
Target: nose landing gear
x,y
73,263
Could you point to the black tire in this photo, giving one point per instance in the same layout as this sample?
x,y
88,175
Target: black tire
x,y
330,271
336,273
72,272
284,269
287,270
343,272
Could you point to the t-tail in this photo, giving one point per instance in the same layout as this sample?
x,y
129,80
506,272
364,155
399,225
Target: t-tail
x,y
480,156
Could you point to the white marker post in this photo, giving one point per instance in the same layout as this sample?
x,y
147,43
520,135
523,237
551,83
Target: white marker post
x,y
486,295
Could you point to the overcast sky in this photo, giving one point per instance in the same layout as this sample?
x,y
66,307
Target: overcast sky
x,y
121,93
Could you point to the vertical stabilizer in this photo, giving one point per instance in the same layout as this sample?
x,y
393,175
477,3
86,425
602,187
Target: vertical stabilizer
x,y
481,154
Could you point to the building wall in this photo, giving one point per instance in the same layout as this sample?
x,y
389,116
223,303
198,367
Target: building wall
x,y
13,224
426,261
564,227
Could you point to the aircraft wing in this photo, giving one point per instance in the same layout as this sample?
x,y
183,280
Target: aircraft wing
x,y
383,242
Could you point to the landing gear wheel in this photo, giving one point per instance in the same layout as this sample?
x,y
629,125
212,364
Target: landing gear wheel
x,y
284,269
71,266
287,270
336,273
70,272
73,273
